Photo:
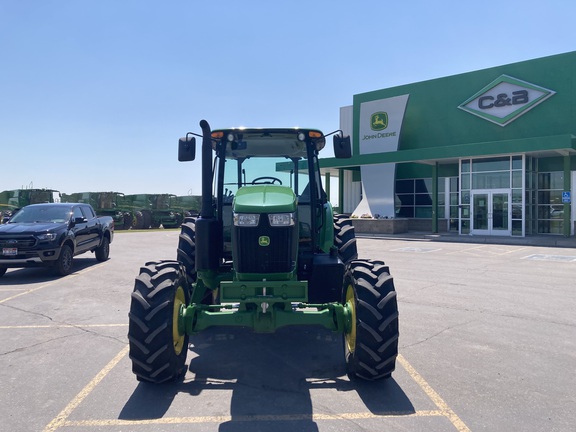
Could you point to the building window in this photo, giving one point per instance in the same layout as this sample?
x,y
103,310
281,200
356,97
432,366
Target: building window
x,y
549,202
414,198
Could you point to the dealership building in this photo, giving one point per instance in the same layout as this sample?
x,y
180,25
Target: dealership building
x,y
490,152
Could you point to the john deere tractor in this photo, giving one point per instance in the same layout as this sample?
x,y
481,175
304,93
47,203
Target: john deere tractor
x,y
265,252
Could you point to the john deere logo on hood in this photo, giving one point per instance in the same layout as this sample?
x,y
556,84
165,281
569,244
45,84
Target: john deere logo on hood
x,y
264,241
379,121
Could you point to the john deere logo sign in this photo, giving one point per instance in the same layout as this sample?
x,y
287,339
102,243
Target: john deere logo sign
x,y
379,121
264,241
505,99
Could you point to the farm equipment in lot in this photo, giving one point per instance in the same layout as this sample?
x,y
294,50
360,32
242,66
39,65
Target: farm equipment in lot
x,y
13,200
153,210
265,252
104,204
187,205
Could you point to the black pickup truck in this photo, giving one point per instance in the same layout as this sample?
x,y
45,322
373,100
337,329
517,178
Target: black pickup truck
x,y
52,234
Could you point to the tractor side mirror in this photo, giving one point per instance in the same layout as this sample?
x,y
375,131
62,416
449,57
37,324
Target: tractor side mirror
x,y
342,147
186,149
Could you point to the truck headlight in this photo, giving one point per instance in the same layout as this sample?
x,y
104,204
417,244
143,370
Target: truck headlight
x,y
281,219
47,237
246,219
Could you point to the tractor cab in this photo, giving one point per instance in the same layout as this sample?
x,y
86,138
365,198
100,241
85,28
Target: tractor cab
x,y
268,203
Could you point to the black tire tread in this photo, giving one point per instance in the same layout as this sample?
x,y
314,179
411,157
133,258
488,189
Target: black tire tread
x,y
377,320
186,252
150,322
345,238
102,252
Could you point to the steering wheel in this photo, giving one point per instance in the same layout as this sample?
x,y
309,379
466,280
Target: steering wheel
x,y
266,180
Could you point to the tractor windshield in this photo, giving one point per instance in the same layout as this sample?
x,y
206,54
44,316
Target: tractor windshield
x,y
283,171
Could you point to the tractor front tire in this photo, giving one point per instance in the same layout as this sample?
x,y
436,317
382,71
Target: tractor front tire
x,y
345,238
158,347
371,344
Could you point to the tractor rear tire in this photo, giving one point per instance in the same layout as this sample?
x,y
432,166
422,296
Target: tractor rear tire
x,y
186,253
345,238
371,345
157,348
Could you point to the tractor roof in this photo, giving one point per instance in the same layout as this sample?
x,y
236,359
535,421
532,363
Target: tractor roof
x,y
267,142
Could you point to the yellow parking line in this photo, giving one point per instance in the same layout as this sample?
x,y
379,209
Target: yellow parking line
x,y
20,327
49,284
61,419
27,292
65,413
435,397
247,419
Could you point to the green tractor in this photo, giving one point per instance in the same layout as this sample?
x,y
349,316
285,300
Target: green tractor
x,y
265,252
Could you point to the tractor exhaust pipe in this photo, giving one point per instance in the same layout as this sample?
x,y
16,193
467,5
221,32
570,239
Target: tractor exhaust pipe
x,y
207,209
208,228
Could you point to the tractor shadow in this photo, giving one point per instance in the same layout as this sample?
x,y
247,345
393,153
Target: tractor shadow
x,y
271,378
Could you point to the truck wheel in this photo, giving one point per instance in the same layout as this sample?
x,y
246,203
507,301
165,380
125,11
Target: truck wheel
x,y
3,271
371,344
345,238
158,347
63,264
103,251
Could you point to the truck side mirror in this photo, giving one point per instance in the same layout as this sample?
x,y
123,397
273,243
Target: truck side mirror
x,y
342,147
186,149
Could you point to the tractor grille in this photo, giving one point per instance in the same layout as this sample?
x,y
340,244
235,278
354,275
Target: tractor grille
x,y
24,242
278,257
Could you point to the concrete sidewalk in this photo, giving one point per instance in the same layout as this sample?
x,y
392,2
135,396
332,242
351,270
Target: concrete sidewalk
x,y
537,240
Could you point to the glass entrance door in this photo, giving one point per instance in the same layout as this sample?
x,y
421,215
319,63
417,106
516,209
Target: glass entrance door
x,y
491,212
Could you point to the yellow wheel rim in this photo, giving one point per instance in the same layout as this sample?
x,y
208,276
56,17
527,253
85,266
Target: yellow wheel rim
x,y
177,337
351,303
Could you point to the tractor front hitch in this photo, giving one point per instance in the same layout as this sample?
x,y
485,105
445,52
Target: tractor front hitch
x,y
265,315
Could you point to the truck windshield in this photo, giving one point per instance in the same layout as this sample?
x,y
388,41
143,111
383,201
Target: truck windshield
x,y
50,214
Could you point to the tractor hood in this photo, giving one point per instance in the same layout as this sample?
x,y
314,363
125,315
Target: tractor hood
x,y
264,199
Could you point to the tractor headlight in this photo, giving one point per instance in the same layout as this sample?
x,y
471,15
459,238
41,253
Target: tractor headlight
x,y
281,219
246,219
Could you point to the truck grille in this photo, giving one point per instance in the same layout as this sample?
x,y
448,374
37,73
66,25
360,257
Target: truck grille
x,y
278,257
18,242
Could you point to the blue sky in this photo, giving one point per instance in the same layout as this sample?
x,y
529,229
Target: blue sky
x,y
95,94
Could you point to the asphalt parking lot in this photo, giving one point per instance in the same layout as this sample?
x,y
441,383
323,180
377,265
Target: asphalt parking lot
x,y
487,343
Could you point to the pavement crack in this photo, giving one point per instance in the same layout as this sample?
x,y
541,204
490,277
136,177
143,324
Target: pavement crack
x,y
439,333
